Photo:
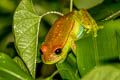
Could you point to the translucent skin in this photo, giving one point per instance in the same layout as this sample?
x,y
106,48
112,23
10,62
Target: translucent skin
x,y
64,32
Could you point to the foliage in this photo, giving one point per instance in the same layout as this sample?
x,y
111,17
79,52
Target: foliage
x,y
20,40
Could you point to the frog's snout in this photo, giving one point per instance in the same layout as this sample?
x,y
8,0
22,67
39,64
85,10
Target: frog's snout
x,y
49,59
50,56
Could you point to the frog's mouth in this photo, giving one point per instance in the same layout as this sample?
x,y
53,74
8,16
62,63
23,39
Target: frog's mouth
x,y
54,59
51,61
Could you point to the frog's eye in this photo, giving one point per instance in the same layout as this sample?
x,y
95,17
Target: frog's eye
x,y
58,51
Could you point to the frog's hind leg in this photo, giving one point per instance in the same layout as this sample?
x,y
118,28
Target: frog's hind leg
x,y
88,31
96,28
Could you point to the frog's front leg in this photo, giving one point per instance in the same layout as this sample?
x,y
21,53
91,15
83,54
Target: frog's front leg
x,y
76,34
73,46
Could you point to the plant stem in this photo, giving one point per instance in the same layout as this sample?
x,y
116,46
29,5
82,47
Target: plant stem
x,y
71,5
52,12
112,16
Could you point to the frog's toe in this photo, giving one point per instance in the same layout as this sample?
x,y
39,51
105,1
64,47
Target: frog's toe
x,y
96,29
89,30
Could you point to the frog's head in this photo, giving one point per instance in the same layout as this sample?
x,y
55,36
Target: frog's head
x,y
51,55
56,44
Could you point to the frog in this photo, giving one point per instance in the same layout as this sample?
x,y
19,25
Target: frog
x,y
65,31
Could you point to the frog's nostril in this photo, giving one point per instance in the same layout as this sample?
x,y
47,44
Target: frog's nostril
x,y
43,49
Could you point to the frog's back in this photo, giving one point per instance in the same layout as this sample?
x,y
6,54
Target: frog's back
x,y
58,34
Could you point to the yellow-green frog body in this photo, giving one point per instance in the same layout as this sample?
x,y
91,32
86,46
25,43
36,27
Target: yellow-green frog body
x,y
63,34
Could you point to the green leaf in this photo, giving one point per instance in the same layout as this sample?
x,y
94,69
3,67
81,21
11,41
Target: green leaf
x,y
5,8
5,23
87,3
107,72
21,64
91,52
26,30
68,69
108,9
9,70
